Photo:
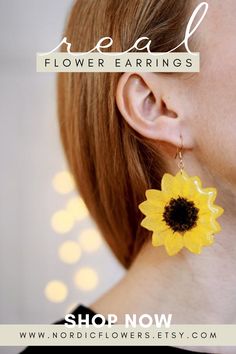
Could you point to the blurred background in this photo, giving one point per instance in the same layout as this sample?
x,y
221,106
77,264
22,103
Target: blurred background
x,y
51,256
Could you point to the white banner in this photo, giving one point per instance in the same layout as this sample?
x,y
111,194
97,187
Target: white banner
x,y
176,335
118,62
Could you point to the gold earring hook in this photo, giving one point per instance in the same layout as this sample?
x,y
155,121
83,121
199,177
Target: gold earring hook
x,y
179,153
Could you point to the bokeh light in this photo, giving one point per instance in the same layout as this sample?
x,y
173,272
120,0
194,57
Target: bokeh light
x,y
77,209
90,240
63,182
62,221
56,291
86,279
69,252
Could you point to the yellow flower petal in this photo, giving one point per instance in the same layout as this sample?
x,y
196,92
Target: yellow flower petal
x,y
182,175
207,239
209,223
158,238
150,223
167,182
202,229
211,210
205,198
218,211
186,190
154,223
174,185
155,195
210,193
196,182
192,241
151,208
179,182
202,235
184,185
173,243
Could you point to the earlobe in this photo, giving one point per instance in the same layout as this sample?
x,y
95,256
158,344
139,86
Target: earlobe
x,y
141,101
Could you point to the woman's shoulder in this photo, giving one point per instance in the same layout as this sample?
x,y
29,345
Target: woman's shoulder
x,y
82,311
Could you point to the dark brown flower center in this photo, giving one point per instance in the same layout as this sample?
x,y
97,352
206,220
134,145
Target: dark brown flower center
x,y
180,214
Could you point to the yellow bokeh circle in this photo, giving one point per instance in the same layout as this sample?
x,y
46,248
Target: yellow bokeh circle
x,y
56,291
86,279
63,182
62,221
69,252
77,209
90,240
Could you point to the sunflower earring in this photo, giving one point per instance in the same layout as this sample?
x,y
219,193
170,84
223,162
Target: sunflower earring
x,y
182,214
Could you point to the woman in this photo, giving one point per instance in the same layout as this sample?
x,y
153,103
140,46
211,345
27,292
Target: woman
x,y
121,132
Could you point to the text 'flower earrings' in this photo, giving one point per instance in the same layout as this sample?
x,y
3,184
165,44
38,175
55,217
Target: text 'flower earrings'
x,y
182,214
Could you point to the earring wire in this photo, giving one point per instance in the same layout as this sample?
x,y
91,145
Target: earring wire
x,y
179,154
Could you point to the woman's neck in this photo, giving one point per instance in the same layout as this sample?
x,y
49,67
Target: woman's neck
x,y
194,288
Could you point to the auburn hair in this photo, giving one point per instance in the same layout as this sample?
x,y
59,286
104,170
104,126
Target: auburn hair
x,y
113,165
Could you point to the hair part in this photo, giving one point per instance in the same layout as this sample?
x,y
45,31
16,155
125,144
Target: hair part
x,y
112,165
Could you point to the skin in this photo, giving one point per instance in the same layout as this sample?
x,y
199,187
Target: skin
x,y
194,288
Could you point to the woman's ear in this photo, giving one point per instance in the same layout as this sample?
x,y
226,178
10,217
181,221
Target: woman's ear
x,y
144,101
